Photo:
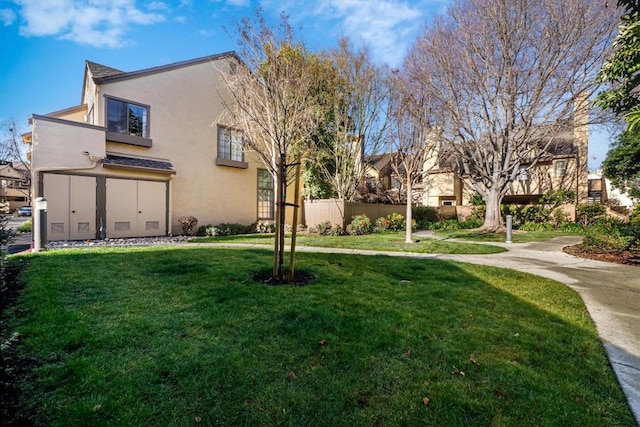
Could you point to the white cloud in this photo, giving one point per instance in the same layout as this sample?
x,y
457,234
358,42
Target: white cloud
x,y
180,19
157,5
238,3
99,23
388,27
7,16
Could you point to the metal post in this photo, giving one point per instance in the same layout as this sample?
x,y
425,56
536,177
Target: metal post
x,y
509,228
40,225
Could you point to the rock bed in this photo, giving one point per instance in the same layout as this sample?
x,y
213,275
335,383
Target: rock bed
x,y
135,241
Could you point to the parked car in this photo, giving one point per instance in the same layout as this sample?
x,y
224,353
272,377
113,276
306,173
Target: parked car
x,y
24,211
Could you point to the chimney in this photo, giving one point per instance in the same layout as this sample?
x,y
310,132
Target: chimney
x,y
581,141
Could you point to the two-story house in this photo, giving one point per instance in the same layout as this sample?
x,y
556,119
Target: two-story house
x,y
143,149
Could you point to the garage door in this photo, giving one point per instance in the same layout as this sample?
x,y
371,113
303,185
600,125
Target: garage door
x,y
71,206
135,208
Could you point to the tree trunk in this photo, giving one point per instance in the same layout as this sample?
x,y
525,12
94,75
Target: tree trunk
x,y
493,217
408,214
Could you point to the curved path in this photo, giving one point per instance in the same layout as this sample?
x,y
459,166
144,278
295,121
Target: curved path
x,y
610,291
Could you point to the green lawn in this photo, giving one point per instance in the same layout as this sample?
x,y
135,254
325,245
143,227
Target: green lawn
x,y
378,242
517,235
177,336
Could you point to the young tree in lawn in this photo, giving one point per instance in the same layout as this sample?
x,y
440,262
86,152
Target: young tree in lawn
x,y
506,77
274,103
354,96
411,138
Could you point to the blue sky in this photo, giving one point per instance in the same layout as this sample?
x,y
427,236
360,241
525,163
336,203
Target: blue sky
x,y
44,43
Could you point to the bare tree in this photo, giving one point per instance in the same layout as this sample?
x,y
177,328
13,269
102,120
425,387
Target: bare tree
x,y
13,150
274,103
354,94
507,76
411,138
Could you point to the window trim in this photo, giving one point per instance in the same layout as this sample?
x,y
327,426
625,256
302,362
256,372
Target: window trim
x,y
273,194
224,161
126,138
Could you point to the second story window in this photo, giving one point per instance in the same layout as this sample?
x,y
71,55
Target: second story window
x,y
561,168
127,118
230,144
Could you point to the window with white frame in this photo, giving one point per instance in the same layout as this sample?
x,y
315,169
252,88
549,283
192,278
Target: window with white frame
x,y
230,144
127,118
265,194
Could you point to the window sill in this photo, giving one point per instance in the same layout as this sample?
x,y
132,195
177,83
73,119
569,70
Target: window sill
x,y
128,139
232,163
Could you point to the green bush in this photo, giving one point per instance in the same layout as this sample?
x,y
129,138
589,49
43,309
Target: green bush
x,y
25,227
476,200
382,225
479,212
396,222
604,238
590,214
360,224
559,217
533,213
449,224
424,213
536,226
572,227
265,227
230,229
635,215
470,223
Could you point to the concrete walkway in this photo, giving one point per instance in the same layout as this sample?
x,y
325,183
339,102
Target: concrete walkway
x,y
610,291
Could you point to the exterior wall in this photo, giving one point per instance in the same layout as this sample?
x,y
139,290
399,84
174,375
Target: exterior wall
x,y
184,111
438,186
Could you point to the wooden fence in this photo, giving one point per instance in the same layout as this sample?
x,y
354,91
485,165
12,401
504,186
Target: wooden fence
x,y
339,212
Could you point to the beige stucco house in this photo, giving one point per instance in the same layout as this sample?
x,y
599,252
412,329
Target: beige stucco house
x,y
562,166
143,149
14,186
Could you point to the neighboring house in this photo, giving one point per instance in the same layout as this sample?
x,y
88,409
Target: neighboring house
x,y
143,149
564,166
14,186
602,191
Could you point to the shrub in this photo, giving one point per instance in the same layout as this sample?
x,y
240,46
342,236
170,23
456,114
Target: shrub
x,y
470,223
479,212
211,231
533,213
396,222
476,199
635,215
450,224
604,238
25,227
360,224
559,217
424,213
572,227
264,227
590,214
382,225
558,197
187,223
232,229
536,226
324,228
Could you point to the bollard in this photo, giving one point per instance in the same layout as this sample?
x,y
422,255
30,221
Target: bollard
x,y
40,225
509,227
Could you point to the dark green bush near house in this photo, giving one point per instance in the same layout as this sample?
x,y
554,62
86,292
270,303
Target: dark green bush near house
x,y
477,200
470,223
558,197
424,213
25,227
232,229
589,214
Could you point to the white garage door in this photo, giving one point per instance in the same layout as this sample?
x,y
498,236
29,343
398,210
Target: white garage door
x,y
71,206
135,208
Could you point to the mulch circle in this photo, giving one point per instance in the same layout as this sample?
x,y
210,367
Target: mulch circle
x,y
627,258
301,278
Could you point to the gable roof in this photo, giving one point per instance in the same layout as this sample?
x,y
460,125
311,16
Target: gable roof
x,y
109,75
99,71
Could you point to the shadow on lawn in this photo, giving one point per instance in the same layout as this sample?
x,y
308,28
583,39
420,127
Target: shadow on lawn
x,y
175,335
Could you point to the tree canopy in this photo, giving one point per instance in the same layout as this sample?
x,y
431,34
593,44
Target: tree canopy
x,y
507,77
622,164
